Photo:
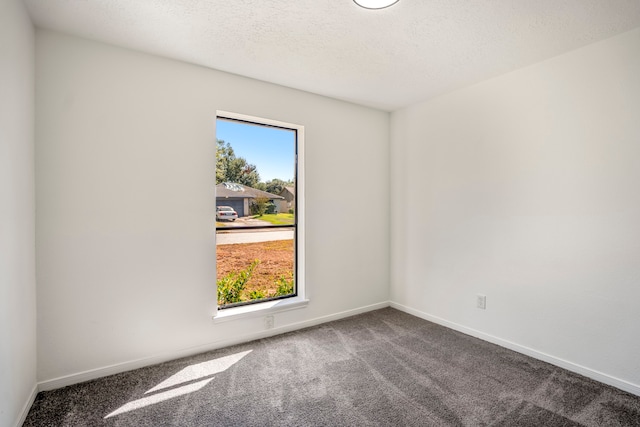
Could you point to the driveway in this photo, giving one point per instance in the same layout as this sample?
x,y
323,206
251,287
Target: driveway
x,y
244,222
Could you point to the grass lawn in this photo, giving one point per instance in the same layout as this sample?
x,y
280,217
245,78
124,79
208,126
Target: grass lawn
x,y
277,219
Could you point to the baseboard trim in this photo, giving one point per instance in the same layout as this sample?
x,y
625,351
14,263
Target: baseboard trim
x,y
27,406
164,357
565,364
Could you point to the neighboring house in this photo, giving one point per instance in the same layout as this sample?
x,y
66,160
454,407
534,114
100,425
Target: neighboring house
x,y
239,197
289,199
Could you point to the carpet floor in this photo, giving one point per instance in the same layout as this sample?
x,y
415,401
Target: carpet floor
x,y
382,368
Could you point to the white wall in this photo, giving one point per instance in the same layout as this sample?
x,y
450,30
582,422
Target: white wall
x,y
125,159
17,213
526,188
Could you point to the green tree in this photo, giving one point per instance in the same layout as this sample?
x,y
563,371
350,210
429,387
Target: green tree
x,y
259,205
224,153
261,186
276,185
230,168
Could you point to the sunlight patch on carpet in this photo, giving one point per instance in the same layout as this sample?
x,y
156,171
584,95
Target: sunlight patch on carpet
x,y
200,370
191,374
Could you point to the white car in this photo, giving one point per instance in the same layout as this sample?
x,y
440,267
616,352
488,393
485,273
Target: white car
x,y
226,212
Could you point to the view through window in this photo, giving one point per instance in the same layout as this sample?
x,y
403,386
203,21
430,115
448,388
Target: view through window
x,y
256,212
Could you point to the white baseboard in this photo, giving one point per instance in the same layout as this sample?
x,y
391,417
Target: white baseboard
x,y
147,361
27,406
570,366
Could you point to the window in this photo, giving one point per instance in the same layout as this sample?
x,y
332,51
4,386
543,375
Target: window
x,y
259,211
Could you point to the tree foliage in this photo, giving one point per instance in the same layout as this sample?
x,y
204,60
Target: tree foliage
x,y
230,168
276,185
259,205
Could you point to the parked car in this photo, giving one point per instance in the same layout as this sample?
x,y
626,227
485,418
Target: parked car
x,y
226,212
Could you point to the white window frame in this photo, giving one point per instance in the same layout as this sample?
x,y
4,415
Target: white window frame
x,y
300,300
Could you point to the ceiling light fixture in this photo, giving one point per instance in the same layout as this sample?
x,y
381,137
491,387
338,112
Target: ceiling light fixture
x,y
375,4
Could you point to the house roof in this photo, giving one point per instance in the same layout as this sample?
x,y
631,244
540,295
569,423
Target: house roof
x,y
291,190
232,189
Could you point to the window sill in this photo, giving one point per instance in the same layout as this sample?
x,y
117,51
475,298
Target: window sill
x,y
260,309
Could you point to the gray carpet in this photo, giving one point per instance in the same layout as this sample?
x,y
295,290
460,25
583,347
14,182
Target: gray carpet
x,y
380,368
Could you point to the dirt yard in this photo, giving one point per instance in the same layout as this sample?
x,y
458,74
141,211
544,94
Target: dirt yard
x,y
276,259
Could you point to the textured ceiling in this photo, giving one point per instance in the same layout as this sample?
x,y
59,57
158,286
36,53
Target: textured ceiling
x,y
387,58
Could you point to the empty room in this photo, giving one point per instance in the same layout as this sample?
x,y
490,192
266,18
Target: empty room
x,y
319,212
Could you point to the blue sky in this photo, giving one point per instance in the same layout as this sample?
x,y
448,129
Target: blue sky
x,y
272,150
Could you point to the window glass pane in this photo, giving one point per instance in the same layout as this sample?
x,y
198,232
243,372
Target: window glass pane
x,y
255,212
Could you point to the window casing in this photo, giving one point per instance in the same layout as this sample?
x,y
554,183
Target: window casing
x,y
298,298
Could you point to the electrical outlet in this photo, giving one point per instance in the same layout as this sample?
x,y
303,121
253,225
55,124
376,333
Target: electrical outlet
x,y
268,322
481,301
